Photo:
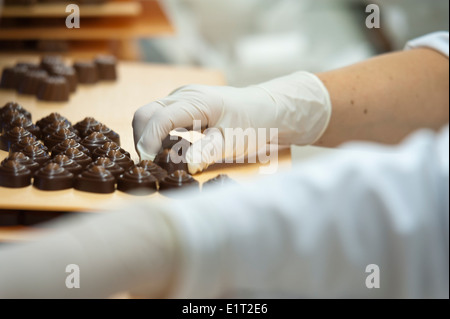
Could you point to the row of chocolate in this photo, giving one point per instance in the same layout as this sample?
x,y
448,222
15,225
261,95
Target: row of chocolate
x,y
79,156
52,80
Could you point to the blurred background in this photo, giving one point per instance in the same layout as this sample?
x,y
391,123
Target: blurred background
x,y
250,41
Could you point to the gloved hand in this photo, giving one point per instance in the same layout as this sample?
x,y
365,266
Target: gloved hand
x,y
298,105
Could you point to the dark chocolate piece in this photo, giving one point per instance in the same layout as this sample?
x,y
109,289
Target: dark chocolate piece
x,y
96,180
60,135
114,168
30,66
66,144
68,164
105,148
48,62
24,142
122,160
219,180
36,154
31,218
31,81
53,177
154,169
84,126
178,179
170,161
13,106
14,175
78,156
137,180
57,125
53,117
69,73
13,136
106,65
24,160
94,140
10,218
26,124
102,128
87,72
12,76
54,88
8,118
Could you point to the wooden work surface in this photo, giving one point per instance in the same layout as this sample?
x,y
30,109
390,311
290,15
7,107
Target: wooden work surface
x,y
114,105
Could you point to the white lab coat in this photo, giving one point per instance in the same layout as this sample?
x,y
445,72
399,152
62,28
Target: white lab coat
x,y
310,232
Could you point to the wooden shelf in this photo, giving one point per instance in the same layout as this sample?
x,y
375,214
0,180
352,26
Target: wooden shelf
x,y
113,8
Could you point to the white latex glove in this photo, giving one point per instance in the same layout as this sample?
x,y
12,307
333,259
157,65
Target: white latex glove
x,y
298,105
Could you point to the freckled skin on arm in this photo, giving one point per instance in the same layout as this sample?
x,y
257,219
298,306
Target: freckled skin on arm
x,y
386,98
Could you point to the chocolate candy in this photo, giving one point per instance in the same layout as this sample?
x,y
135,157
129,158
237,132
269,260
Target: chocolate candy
x,y
178,179
219,180
170,161
54,88
13,106
12,76
137,180
78,156
105,148
53,177
122,160
84,126
37,154
87,72
114,168
106,65
53,117
31,81
154,169
55,126
69,73
29,140
29,66
14,135
24,160
96,179
14,175
8,118
94,140
68,164
102,128
60,135
66,144
26,124
48,62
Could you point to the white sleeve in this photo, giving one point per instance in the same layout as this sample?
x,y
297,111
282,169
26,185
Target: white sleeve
x,y
438,41
313,231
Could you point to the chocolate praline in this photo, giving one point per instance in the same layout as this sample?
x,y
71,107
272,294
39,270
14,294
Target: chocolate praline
x,y
44,122
84,126
137,180
114,168
219,180
178,179
170,161
106,65
94,140
28,125
60,135
105,148
78,156
31,81
13,136
13,106
69,73
54,88
53,177
66,144
56,125
96,180
122,160
14,175
102,128
87,72
8,118
12,76
48,62
29,140
154,169
36,154
68,164
24,160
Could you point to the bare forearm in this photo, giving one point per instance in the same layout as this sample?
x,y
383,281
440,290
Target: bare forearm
x,y
386,98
